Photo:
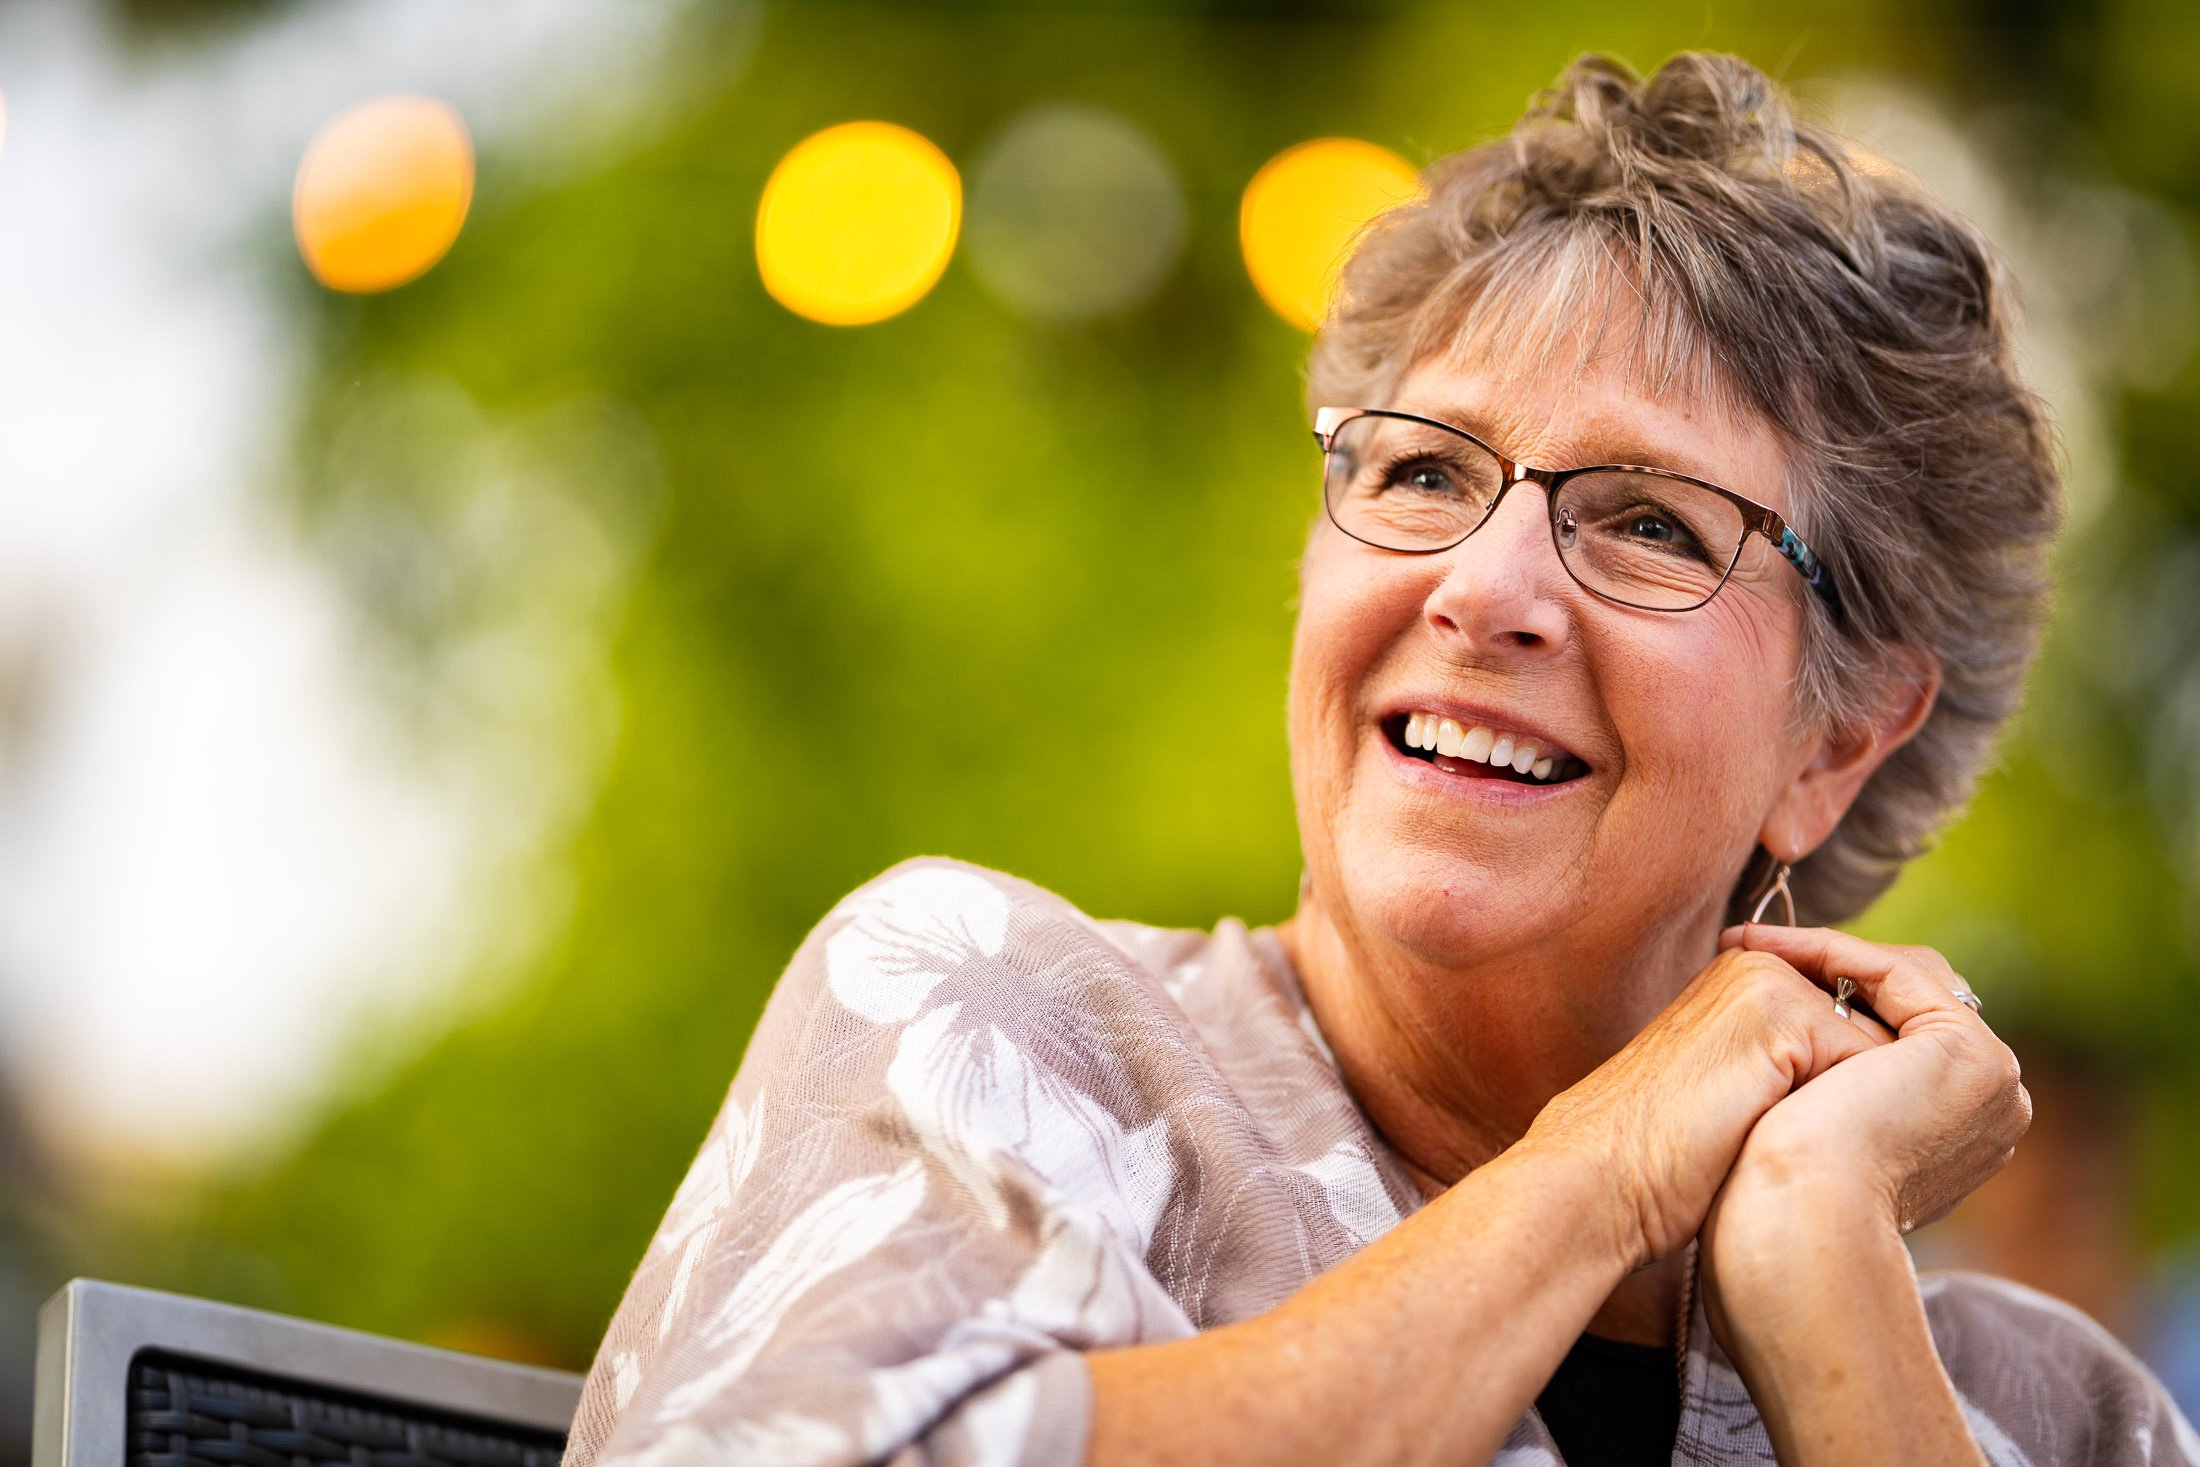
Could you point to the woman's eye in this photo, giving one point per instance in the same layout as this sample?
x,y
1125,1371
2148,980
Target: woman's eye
x,y
1428,478
1667,532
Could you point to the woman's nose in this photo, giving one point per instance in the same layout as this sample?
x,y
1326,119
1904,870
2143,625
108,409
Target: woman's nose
x,y
1503,586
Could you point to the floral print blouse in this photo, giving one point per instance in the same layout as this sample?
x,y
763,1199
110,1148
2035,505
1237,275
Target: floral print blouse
x,y
978,1133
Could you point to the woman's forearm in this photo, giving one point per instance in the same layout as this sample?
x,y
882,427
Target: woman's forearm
x,y
1427,1346
1817,1303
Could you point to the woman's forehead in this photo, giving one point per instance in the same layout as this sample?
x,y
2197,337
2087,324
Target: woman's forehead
x,y
1566,340
1599,410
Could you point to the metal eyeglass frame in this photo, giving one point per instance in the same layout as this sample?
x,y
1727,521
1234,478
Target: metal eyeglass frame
x,y
1756,518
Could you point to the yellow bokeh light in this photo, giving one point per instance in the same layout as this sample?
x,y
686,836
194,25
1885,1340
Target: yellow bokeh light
x,y
857,223
1300,214
382,192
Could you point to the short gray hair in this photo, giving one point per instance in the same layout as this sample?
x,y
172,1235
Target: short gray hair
x,y
1791,275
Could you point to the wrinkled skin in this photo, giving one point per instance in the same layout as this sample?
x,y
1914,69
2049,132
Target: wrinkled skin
x,y
1492,964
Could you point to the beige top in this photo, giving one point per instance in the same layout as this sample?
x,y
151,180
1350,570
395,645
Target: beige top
x,y
978,1132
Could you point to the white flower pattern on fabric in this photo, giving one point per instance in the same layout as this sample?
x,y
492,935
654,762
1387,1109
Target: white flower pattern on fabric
x,y
1355,1190
907,935
698,1209
905,1397
997,1421
784,1439
978,1102
834,1231
981,1108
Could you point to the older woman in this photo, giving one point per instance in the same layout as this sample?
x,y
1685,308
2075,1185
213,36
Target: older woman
x,y
1682,544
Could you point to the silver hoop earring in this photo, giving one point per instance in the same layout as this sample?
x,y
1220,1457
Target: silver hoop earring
x,y
1844,989
1779,888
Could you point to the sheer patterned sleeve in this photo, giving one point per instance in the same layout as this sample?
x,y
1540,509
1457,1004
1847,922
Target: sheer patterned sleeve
x,y
2042,1383
933,1183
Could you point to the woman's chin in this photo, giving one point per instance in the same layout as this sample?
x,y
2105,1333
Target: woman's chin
x,y
1451,912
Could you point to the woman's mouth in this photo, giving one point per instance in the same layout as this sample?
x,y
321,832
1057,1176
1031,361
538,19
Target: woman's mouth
x,y
1480,752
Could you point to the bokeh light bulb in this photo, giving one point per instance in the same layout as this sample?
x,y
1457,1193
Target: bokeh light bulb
x,y
857,223
382,192
1301,212
1075,213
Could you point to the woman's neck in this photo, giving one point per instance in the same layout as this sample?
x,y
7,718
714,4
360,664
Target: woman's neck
x,y
1451,1064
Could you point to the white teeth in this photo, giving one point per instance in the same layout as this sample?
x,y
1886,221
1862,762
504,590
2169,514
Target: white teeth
x,y
1483,745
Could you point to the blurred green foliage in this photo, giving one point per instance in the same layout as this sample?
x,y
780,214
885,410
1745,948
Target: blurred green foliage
x,y
1022,594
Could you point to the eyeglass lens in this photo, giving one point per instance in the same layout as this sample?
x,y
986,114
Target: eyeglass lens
x,y
1645,539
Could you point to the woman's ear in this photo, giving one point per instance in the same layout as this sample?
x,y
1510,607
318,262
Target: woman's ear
x,y
1826,785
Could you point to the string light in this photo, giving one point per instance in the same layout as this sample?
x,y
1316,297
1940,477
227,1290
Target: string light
x,y
382,192
1301,212
857,223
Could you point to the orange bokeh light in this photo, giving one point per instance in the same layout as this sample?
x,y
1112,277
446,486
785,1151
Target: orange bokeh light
x,y
382,192
1302,212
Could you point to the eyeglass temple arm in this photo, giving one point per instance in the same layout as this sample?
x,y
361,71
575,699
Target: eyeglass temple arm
x,y
1328,420
1796,553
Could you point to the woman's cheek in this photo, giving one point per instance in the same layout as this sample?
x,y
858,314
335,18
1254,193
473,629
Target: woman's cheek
x,y
1697,740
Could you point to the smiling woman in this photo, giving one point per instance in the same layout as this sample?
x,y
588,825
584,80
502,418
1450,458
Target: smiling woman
x,y
1681,540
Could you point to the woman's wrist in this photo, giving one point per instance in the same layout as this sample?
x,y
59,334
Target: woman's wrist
x,y
1768,1210
1583,1183
1818,1306
1491,1282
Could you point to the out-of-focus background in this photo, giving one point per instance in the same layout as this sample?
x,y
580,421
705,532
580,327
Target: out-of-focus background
x,y
480,576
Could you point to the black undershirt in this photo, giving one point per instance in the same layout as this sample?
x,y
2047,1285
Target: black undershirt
x,y
1613,1404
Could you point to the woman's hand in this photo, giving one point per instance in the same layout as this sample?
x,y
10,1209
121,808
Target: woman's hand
x,y
1910,1128
1805,1279
1666,1118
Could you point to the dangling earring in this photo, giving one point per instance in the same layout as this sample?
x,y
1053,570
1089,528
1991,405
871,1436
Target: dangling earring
x,y
1844,989
1779,888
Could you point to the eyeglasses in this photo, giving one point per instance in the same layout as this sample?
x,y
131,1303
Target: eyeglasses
x,y
1645,538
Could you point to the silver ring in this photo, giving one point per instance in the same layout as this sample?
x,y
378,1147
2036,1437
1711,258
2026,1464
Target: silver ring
x,y
1843,990
1967,998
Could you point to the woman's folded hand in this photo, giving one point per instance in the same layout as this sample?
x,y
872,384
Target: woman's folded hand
x,y
1904,1132
1666,1118
1806,1283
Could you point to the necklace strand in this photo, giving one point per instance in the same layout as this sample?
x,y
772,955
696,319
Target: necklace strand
x,y
1680,1324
